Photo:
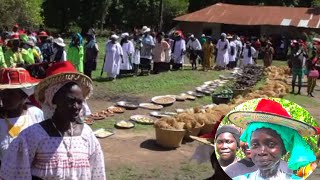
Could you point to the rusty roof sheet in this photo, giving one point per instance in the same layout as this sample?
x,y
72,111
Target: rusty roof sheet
x,y
255,15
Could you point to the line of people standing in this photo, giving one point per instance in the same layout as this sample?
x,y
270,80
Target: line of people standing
x,y
33,51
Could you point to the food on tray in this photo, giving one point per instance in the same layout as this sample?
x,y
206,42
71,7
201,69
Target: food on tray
x,y
89,121
189,97
98,116
125,124
142,119
102,133
164,100
180,98
151,106
107,113
116,109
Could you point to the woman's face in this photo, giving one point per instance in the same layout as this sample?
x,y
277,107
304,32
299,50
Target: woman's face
x,y
226,146
12,98
266,148
69,102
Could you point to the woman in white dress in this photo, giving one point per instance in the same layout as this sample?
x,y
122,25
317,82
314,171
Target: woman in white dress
x,y
113,58
137,42
178,51
61,147
248,52
128,51
223,52
16,85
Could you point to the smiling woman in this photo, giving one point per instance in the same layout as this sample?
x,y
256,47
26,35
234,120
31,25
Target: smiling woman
x,y
270,133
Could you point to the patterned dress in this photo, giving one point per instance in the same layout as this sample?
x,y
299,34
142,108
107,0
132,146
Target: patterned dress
x,y
35,153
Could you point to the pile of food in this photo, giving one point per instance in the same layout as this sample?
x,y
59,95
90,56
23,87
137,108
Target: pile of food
x,y
194,118
250,76
150,106
163,100
275,86
124,124
115,109
142,119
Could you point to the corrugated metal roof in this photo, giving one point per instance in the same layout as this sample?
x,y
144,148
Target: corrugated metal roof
x,y
255,15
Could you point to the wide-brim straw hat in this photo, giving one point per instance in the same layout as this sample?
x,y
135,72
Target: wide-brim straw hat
x,y
268,111
62,72
59,42
16,78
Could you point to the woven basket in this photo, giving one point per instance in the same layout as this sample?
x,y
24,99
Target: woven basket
x,y
192,132
169,138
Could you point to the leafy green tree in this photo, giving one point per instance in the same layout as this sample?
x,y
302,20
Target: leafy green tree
x,y
25,13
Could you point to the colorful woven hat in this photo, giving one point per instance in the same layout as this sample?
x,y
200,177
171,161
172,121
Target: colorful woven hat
x,y
16,78
62,72
269,111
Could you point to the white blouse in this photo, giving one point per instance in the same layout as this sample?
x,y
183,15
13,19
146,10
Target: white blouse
x,y
31,116
35,153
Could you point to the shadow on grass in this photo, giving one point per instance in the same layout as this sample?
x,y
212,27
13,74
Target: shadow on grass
x,y
152,145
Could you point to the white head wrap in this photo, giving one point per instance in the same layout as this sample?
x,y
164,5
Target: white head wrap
x,y
114,36
123,35
224,34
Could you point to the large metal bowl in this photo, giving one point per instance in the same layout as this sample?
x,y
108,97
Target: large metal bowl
x,y
127,105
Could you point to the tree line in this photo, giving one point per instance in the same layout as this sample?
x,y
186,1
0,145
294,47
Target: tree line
x,y
64,15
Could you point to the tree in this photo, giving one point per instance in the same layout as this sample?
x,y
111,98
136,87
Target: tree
x,y
25,13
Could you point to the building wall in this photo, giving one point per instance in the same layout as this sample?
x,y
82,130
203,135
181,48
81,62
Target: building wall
x,y
199,28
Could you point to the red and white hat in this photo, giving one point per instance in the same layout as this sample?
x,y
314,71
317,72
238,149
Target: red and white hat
x,y
62,72
16,78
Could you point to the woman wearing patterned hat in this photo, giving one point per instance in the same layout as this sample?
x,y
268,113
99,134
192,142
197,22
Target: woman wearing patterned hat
x,y
270,133
61,147
16,85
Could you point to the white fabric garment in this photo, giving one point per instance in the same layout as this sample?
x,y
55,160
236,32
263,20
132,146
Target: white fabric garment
x,y
232,58
85,111
256,176
246,59
36,153
194,45
31,116
136,54
223,55
113,59
179,49
128,50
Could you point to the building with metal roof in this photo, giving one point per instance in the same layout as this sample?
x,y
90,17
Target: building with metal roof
x,y
256,20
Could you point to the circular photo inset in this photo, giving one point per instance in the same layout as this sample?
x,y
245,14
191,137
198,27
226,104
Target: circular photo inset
x,y
267,139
